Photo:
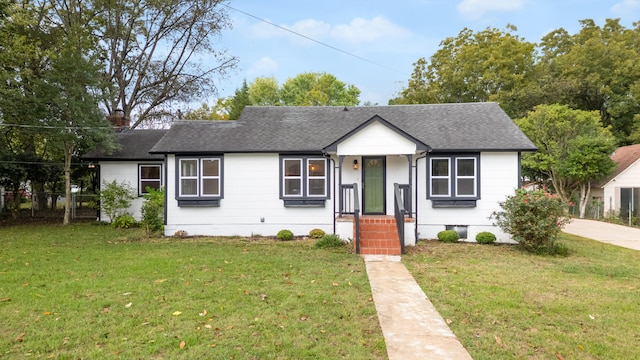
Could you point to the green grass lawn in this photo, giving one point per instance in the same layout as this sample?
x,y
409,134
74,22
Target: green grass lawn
x,y
506,304
89,291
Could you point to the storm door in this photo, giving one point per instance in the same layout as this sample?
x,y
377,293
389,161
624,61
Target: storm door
x,y
373,185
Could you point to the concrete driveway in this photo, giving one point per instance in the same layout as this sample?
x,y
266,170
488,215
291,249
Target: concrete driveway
x,y
608,233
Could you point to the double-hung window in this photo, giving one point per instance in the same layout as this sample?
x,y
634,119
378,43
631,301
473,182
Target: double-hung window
x,y
453,180
199,181
149,176
304,180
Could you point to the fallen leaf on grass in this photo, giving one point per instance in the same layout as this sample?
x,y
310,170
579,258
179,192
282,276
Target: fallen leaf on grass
x,y
5,299
203,313
128,305
499,341
182,344
560,357
208,326
160,281
335,284
177,313
126,294
20,337
448,321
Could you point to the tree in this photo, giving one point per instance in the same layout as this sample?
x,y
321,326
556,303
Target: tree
x,y
595,69
72,83
220,111
489,65
306,89
573,148
318,89
52,75
151,51
238,101
588,160
264,91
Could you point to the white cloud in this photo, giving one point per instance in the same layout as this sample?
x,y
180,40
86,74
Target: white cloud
x,y
359,30
477,8
362,30
625,6
262,67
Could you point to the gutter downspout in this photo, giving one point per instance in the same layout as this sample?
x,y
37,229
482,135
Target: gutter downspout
x,y
166,190
326,155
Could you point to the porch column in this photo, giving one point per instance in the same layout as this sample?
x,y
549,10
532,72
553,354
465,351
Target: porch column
x,y
340,199
409,195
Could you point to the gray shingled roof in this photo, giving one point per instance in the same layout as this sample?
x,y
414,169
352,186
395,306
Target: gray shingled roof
x,y
444,127
135,146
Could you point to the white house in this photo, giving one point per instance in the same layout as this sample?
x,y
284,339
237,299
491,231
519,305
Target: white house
x,y
620,192
426,167
132,164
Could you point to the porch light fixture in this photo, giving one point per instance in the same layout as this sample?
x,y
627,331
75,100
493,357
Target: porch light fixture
x,y
355,164
91,165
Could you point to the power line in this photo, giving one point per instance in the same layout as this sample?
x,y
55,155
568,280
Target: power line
x,y
55,127
312,39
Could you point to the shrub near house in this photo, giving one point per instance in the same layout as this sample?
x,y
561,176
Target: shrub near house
x,y
534,218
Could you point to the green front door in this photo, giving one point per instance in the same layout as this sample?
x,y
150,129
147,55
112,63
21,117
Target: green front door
x,y
373,184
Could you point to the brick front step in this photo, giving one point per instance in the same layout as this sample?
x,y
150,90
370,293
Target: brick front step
x,y
379,236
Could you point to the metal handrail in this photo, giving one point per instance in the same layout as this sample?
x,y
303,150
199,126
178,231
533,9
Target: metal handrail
x,y
356,216
399,212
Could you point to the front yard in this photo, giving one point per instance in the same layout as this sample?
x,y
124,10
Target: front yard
x,y
503,303
89,291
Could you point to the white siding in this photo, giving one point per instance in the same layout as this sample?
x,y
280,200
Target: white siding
x,y
122,171
376,139
498,179
251,203
627,179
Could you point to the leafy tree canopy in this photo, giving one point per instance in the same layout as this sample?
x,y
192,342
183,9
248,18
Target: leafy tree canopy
x,y
573,148
594,69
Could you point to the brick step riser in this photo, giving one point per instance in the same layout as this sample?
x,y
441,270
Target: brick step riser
x,y
379,237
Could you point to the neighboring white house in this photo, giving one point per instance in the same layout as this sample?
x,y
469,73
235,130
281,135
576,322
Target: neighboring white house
x,y
295,168
620,192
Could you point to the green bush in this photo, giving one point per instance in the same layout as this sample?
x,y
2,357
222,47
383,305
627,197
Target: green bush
x,y
153,210
123,221
316,233
534,219
115,198
450,236
485,237
329,241
284,235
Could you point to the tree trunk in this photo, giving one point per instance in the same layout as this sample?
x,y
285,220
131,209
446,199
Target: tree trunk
x,y
38,197
68,153
585,193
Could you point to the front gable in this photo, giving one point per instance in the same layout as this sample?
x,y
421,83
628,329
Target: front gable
x,y
376,136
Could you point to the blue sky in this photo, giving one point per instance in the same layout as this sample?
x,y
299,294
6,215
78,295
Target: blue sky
x,y
384,37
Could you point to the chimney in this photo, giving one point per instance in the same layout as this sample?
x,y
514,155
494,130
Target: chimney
x,y
118,120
